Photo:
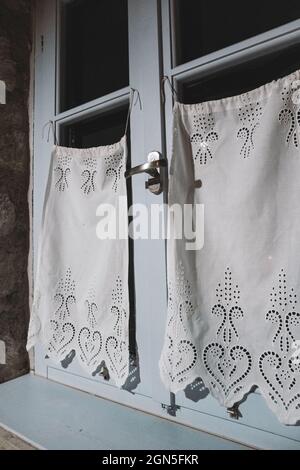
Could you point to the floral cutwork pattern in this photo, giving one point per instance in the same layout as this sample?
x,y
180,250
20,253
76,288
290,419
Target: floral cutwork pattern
x,y
63,170
227,362
249,116
289,115
89,336
114,168
180,354
116,344
278,365
89,163
68,336
203,137
61,326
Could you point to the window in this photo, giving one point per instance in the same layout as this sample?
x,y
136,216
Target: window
x,y
94,50
93,131
92,47
204,26
241,78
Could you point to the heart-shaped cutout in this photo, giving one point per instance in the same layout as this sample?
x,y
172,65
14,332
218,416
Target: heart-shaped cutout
x,y
90,344
228,367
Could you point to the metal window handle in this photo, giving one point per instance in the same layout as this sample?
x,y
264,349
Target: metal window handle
x,y
149,167
152,168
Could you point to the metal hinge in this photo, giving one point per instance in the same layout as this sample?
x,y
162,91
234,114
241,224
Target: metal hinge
x,y
172,408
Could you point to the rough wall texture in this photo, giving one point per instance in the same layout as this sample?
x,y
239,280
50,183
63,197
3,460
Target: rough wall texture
x,y
15,40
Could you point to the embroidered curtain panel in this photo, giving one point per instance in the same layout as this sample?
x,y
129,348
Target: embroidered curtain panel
x,y
233,308
81,293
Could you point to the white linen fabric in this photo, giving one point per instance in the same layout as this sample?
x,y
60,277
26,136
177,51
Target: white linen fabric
x,y
81,291
233,309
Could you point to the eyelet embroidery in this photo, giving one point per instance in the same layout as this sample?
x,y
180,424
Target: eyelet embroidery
x,y
116,345
226,360
61,329
114,168
77,319
249,116
290,115
63,171
89,163
180,353
92,346
244,343
90,338
203,138
278,367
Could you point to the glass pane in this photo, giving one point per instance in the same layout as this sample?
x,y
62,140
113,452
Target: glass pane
x,y
97,130
94,50
241,78
203,26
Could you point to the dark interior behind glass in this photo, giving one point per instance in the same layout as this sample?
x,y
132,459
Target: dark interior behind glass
x,y
104,129
203,26
241,78
94,50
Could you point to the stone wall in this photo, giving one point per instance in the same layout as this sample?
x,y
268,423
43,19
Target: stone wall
x,y
15,43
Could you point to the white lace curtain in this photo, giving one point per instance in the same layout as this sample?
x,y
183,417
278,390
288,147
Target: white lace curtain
x,y
233,310
81,294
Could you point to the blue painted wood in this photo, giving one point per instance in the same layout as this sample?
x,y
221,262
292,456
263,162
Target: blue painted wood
x,y
258,425
58,417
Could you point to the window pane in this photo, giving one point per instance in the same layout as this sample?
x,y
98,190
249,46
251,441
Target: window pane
x,y
98,130
203,26
241,78
94,50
